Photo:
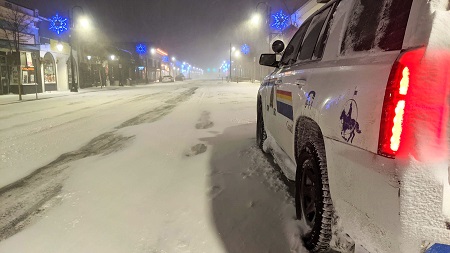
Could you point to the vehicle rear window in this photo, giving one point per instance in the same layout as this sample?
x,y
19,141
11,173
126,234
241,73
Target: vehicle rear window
x,y
312,35
376,25
321,42
291,51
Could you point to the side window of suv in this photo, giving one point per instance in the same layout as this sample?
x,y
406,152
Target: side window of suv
x,y
312,35
377,24
291,51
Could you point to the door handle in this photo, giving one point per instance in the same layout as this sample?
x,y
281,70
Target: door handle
x,y
300,82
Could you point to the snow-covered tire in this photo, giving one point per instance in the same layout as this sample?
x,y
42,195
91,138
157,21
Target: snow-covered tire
x,y
261,134
312,197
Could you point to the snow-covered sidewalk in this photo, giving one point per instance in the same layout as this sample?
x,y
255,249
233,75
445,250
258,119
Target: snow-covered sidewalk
x,y
14,98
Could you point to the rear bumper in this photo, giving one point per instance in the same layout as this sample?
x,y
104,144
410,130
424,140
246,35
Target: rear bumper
x,y
423,201
384,205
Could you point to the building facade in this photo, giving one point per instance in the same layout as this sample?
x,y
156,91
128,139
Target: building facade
x,y
55,65
306,10
19,49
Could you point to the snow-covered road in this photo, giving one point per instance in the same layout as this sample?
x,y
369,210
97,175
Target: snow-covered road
x,y
158,168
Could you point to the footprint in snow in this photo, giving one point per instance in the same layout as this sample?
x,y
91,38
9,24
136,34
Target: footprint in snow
x,y
214,191
204,122
196,150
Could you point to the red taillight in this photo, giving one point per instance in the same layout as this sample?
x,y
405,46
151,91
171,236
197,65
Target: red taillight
x,y
395,100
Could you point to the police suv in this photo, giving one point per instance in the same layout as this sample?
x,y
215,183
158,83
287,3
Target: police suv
x,y
356,113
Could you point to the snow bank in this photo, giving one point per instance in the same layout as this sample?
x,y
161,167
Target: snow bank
x,y
288,167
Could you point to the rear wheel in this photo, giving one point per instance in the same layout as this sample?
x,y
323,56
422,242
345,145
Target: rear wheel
x,y
261,134
312,199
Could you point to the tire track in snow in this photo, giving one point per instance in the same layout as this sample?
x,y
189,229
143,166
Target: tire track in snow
x,y
25,199
160,111
112,102
29,198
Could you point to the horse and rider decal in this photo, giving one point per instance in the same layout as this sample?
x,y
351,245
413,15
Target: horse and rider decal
x,y
349,117
310,99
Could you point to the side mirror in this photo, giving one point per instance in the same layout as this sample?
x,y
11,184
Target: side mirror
x,y
269,60
278,46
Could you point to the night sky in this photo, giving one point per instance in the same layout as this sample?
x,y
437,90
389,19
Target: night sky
x,y
197,31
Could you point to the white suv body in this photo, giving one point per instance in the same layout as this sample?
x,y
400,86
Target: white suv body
x,y
365,85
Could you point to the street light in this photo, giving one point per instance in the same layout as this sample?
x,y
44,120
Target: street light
x,y
256,19
84,22
60,47
153,51
174,59
268,11
236,54
113,57
89,57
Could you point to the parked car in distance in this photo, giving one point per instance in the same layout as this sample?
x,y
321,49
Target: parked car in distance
x,y
168,79
356,113
180,77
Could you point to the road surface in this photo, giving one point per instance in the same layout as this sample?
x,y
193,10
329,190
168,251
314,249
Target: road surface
x,y
152,168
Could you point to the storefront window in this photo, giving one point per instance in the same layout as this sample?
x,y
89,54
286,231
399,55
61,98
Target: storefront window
x,y
28,75
26,72
49,69
15,75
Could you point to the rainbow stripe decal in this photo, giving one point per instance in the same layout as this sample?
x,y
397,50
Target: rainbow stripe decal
x,y
284,103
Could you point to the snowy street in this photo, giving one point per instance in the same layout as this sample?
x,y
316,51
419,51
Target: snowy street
x,y
150,168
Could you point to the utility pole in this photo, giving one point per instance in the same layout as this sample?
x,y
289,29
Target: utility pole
x,y
73,87
230,62
254,69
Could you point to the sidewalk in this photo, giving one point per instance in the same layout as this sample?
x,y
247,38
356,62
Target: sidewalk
x,y
14,98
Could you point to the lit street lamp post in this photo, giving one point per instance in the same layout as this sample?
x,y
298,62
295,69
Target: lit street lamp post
x,y
230,62
256,18
173,64
232,49
89,68
73,87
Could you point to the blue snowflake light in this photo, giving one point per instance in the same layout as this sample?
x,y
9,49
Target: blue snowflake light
x,y
165,58
141,48
245,49
225,66
280,21
58,24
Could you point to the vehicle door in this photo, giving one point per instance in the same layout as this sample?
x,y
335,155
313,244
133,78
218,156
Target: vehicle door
x,y
295,87
269,109
281,99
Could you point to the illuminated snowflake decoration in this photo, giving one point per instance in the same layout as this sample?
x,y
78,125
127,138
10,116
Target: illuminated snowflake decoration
x,y
58,24
245,49
225,66
165,58
280,21
141,48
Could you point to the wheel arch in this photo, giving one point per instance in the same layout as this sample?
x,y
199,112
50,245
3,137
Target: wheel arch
x,y
306,130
